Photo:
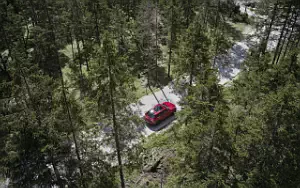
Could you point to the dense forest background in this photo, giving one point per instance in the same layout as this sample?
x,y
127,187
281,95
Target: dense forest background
x,y
68,68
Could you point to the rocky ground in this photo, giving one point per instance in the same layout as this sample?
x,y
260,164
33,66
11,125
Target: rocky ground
x,y
155,168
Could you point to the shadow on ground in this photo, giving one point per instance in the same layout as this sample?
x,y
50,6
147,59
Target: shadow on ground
x,y
162,124
230,62
162,77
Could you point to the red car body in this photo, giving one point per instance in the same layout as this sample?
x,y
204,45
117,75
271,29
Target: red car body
x,y
159,113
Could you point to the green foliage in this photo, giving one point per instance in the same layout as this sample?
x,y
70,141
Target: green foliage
x,y
65,64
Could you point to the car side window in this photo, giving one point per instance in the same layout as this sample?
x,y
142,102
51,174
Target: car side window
x,y
151,114
162,112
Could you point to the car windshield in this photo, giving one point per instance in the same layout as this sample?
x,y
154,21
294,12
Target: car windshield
x,y
151,114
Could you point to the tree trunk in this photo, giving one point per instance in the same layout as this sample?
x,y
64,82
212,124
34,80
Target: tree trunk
x,y
85,55
25,39
216,52
188,14
284,39
80,57
217,17
34,16
281,34
115,125
217,33
205,13
128,10
210,152
170,60
265,41
7,41
33,102
191,73
96,23
72,45
294,56
65,96
290,36
156,44
4,62
56,171
80,68
171,41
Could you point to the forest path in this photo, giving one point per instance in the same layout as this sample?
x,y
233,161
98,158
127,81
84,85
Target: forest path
x,y
229,65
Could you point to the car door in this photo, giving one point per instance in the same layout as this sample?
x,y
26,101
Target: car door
x,y
163,114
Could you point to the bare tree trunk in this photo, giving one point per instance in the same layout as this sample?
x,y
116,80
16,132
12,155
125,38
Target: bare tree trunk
x,y
79,56
191,73
34,16
284,38
265,41
85,55
217,17
170,60
128,10
33,102
281,34
216,52
171,41
7,42
71,124
210,152
80,68
65,96
231,152
25,39
115,125
188,13
72,45
294,56
290,37
96,23
156,44
217,33
56,171
205,13
4,62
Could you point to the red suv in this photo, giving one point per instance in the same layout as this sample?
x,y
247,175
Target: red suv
x,y
159,113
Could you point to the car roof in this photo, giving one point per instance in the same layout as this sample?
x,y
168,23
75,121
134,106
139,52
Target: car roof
x,y
152,110
157,106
